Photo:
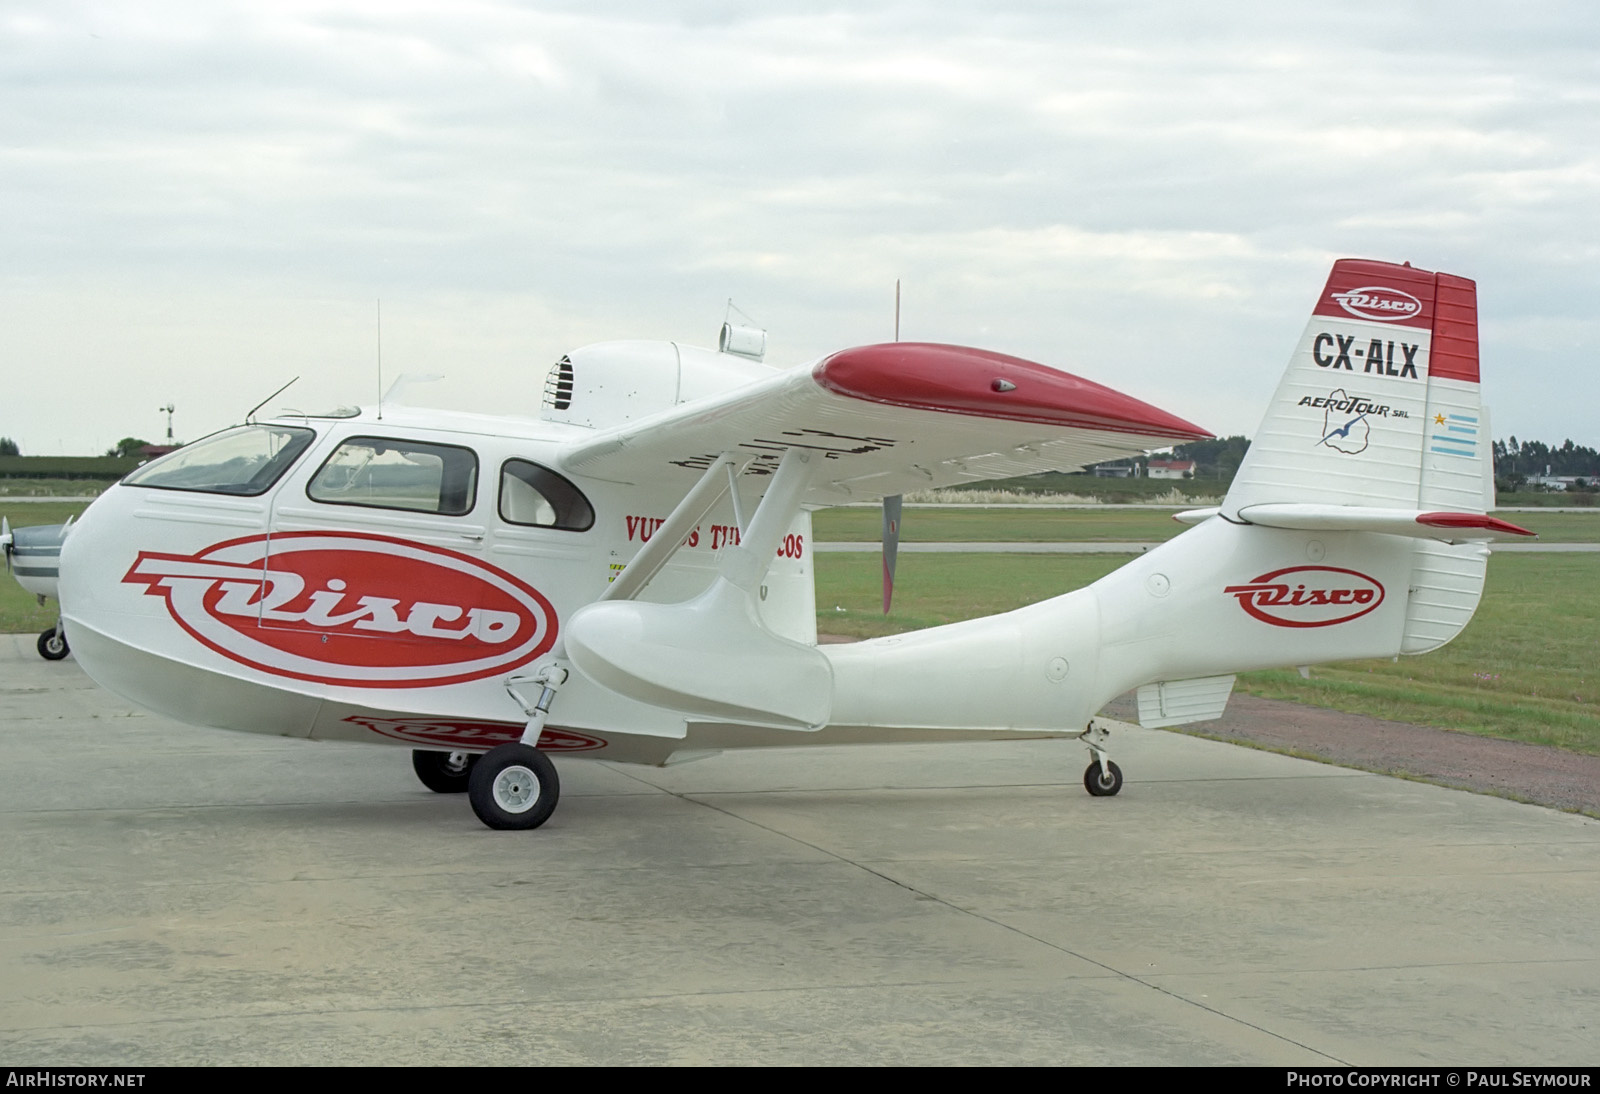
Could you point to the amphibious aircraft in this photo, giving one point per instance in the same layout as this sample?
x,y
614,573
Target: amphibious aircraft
x,y
629,576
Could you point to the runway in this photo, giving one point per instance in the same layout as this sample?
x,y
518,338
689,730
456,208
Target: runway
x,y
181,896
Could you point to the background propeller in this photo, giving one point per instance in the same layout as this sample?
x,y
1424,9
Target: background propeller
x,y
891,546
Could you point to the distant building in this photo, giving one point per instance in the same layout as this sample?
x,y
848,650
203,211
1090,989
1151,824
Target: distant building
x,y
1170,469
151,451
1558,482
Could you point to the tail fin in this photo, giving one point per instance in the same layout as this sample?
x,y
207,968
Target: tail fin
x,y
1379,406
1377,424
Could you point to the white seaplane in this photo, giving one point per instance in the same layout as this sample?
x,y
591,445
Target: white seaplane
x,y
630,575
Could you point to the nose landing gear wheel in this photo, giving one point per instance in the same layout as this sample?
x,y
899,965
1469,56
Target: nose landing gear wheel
x,y
1102,784
443,772
53,645
513,786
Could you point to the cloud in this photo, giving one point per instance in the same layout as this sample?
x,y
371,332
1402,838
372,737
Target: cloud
x,y
1153,187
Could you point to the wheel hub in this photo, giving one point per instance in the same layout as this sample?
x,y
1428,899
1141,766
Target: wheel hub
x,y
516,789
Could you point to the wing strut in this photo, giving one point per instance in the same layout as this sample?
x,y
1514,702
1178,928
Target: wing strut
x,y
711,657
747,564
719,479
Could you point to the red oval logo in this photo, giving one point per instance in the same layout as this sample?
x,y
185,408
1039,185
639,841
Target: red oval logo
x,y
1308,596
351,608
473,736
1379,302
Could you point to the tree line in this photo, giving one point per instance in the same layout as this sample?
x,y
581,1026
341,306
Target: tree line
x,y
1515,462
128,446
1524,459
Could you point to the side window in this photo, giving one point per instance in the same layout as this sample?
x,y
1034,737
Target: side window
x,y
244,462
530,494
385,473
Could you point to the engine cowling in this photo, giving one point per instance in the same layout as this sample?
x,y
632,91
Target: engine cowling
x,y
610,383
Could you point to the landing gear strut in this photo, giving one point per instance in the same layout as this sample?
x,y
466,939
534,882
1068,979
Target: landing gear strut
x,y
1103,778
515,786
53,644
443,772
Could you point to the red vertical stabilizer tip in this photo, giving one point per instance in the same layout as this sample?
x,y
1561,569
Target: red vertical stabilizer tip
x,y
1403,296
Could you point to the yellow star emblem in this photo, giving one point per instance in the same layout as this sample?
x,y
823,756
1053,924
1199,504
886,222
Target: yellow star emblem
x,y
1438,419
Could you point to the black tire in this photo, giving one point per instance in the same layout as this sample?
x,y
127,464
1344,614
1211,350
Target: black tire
x,y
439,774
1102,786
513,787
53,645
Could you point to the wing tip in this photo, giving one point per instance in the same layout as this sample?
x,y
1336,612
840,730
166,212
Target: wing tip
x,y
981,383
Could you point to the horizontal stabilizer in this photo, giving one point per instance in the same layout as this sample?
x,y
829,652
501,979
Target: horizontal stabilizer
x,y
1445,526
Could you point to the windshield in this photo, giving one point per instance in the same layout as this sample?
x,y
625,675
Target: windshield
x,y
243,462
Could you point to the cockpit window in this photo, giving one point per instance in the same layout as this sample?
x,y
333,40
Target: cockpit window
x,y
384,473
530,494
244,462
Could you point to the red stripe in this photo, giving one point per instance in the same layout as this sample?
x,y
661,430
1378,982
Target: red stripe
x,y
973,382
1471,520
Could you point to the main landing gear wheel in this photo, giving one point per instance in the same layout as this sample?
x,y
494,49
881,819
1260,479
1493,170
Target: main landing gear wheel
x,y
53,645
513,786
443,772
1102,784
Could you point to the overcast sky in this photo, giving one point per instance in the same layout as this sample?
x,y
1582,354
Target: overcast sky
x,y
199,201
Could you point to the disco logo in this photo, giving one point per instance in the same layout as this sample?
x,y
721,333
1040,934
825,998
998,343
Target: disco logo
x,y
1308,596
1378,302
351,608
442,733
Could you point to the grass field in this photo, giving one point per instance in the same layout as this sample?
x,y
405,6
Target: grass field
x,y
1093,525
933,589
51,488
1543,498
1526,668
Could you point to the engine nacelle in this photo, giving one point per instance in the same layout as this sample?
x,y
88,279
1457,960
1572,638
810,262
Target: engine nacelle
x,y
613,382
